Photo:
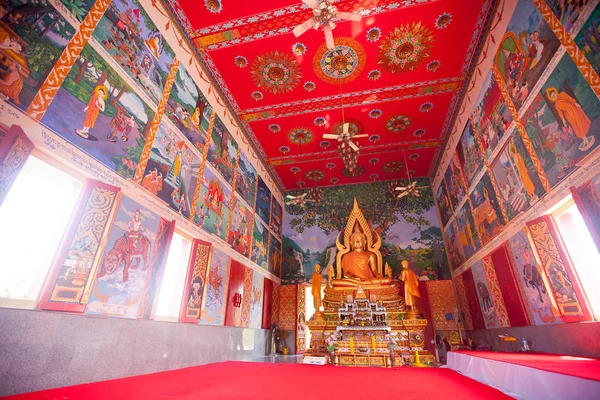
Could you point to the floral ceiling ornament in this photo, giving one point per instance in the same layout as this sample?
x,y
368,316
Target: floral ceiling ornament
x,y
374,138
393,166
284,149
342,64
309,86
443,21
413,156
419,133
301,136
398,123
376,113
315,175
349,154
213,6
325,144
374,160
324,13
299,49
433,66
330,165
373,34
241,61
374,75
320,121
295,170
426,107
357,171
334,180
276,72
301,184
405,48
256,95
373,176
274,128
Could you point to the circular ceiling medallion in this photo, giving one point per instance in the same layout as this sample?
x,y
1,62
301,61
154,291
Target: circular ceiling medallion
x,y
276,72
373,34
374,160
373,176
256,95
374,75
405,48
357,171
299,49
342,64
330,165
284,149
295,170
325,144
301,136
315,175
413,156
393,166
419,133
241,61
376,113
374,138
274,128
309,86
301,183
213,6
433,66
334,180
426,107
320,121
398,123
355,128
443,21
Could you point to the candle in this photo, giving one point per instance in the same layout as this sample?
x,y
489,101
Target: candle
x,y
352,345
373,344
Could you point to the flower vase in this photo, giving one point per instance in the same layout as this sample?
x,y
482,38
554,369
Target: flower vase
x,y
332,357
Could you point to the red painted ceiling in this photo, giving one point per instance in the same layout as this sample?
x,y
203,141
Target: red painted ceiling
x,y
235,37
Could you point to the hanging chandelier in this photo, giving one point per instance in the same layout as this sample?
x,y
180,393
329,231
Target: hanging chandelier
x,y
349,152
324,12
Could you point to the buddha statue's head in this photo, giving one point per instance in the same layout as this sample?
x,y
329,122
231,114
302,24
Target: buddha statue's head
x,y
358,241
317,268
404,264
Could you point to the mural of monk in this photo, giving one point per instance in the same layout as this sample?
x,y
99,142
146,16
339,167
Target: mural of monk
x,y
572,116
11,84
93,108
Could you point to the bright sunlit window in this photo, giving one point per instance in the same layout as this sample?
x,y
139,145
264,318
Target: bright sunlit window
x,y
583,252
173,282
33,219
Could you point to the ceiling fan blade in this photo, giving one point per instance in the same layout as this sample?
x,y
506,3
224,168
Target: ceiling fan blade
x,y
310,3
303,195
349,16
401,195
303,27
329,37
416,193
329,136
401,188
359,136
346,127
289,196
354,146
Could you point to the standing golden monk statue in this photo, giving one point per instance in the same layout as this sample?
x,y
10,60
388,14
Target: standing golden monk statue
x,y
317,279
411,289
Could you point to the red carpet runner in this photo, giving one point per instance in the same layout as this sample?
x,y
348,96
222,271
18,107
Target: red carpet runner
x,y
582,367
257,381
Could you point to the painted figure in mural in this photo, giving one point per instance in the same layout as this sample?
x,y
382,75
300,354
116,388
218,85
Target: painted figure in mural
x,y
388,271
195,299
522,169
359,263
93,108
485,296
317,279
135,229
118,124
11,82
531,274
153,182
411,287
572,116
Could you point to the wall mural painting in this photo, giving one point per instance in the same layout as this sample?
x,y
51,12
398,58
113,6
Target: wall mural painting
x,y
443,203
588,39
240,227
455,183
468,238
256,301
491,116
517,179
222,151
567,11
128,263
275,257
99,113
409,230
32,37
525,51
276,217
188,109
246,179
79,8
212,209
469,154
215,292
263,200
487,213
260,244
453,246
128,34
587,197
531,279
486,302
172,170
563,121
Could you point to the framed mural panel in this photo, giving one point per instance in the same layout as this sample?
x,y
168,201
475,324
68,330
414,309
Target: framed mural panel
x,y
557,266
276,222
15,148
132,263
215,289
195,282
33,35
454,248
263,200
212,209
468,238
275,257
260,244
563,121
256,301
98,112
518,183
587,198
77,261
443,203
525,52
490,316
473,299
455,182
189,110
172,170
567,11
246,179
223,151
533,281
128,34
468,153
487,212
240,227
588,40
491,116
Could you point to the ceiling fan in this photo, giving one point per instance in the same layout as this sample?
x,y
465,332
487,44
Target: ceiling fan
x,y
410,189
345,136
323,14
298,200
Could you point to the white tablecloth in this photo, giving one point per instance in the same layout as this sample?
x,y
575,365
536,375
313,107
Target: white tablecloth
x,y
523,382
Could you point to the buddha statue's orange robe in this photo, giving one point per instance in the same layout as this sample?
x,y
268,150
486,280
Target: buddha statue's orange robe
x,y
357,264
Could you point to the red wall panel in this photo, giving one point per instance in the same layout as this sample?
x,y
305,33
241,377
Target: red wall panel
x,y
508,287
267,304
233,313
473,300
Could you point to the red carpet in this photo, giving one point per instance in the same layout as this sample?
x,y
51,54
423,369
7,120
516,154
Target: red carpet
x,y
582,367
257,381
